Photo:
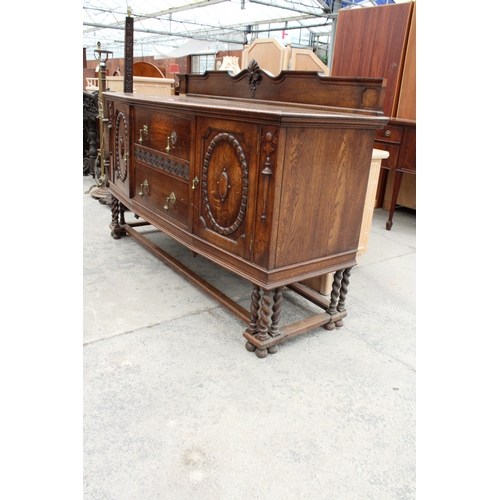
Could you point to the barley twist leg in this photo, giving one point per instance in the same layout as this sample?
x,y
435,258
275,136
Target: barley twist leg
x,y
343,292
122,214
274,331
254,316
115,226
263,325
334,297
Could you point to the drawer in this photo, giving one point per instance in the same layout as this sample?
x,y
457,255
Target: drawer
x,y
164,193
393,149
390,133
162,131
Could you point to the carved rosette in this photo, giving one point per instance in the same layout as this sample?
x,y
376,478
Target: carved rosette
x,y
225,204
121,146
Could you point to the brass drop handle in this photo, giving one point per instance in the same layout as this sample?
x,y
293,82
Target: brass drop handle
x,y
172,137
196,181
145,187
143,133
172,199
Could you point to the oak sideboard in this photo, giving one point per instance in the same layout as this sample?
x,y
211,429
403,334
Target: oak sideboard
x,y
264,175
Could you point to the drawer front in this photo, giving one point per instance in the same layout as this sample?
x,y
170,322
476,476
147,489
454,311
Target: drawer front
x,y
165,194
390,133
163,131
393,149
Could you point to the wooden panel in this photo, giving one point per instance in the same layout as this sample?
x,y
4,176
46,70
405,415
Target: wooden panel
x,y
407,107
268,52
359,95
147,69
306,59
322,207
371,42
375,166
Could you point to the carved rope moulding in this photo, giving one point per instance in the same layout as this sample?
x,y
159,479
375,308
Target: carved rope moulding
x,y
224,183
121,145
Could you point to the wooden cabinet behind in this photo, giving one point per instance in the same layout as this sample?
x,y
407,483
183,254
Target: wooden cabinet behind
x,y
381,42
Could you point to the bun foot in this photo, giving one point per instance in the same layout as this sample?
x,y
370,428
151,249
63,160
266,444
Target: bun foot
x,y
261,353
329,326
250,347
273,349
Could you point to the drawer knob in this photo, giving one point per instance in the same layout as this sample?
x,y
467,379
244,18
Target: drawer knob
x,y
143,133
172,199
145,187
388,133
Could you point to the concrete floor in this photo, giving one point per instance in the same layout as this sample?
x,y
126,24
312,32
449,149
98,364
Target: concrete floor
x,y
176,408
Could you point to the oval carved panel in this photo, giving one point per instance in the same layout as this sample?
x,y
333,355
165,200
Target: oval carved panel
x,y
225,183
121,146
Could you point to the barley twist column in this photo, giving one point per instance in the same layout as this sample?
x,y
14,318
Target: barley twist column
x,y
343,293
115,226
334,297
263,326
122,214
254,316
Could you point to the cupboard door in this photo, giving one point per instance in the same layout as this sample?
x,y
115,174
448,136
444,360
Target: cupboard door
x,y
119,148
226,160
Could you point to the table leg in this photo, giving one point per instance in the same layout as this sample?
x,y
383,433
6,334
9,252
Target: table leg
x,y
395,192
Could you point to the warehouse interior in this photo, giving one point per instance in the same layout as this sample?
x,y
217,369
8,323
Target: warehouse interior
x,y
171,403
171,406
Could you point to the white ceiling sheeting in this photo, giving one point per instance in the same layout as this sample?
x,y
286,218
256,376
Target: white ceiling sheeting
x,y
160,26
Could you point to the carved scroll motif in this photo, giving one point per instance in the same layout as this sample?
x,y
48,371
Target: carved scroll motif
x,y
268,146
121,146
224,185
254,74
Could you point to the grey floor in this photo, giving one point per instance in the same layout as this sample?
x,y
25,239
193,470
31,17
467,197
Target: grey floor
x,y
176,408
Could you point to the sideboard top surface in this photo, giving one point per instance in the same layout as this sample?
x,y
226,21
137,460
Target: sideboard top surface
x,y
270,110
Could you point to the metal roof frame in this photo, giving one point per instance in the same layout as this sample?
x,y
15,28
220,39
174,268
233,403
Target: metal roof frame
x,y
169,23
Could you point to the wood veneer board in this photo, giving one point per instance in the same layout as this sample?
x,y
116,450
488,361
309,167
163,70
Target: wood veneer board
x,y
371,42
407,107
